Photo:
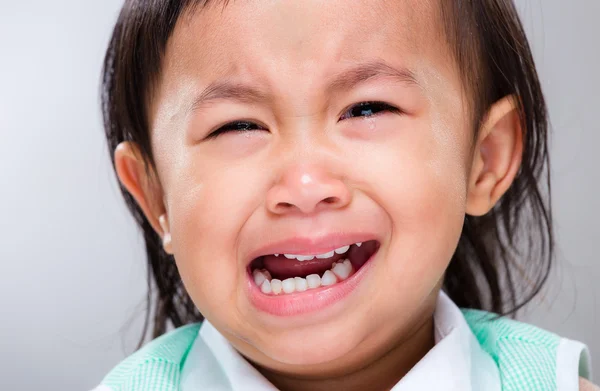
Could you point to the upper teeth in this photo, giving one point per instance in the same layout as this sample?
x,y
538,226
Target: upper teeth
x,y
340,250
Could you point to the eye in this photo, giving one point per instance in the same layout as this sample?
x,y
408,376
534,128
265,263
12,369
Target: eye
x,y
237,126
369,109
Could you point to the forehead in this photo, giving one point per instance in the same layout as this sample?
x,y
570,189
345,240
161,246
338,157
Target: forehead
x,y
279,43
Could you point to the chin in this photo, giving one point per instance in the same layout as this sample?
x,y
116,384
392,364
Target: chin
x,y
312,349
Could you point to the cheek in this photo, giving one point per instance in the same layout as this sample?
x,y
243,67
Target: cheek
x,y
420,179
208,206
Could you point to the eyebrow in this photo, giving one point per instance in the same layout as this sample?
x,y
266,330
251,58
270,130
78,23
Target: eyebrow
x,y
343,81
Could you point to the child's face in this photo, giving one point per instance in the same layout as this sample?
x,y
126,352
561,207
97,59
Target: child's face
x,y
313,166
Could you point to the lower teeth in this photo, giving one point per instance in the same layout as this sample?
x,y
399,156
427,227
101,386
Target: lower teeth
x,y
339,271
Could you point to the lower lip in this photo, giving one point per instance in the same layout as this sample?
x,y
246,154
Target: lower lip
x,y
312,300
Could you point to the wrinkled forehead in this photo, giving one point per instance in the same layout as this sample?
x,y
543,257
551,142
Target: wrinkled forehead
x,y
276,42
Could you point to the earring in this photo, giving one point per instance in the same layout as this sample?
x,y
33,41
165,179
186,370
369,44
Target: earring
x,y
166,239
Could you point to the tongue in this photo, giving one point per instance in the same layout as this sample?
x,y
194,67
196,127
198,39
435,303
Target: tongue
x,y
280,267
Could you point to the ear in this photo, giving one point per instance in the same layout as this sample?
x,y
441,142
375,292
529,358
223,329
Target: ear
x,y
496,158
144,188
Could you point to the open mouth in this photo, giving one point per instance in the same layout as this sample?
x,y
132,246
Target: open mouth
x,y
284,274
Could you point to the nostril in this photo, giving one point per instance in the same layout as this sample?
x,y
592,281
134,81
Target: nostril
x,y
330,200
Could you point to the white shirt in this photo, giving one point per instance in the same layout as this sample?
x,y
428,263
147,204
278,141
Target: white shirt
x,y
457,361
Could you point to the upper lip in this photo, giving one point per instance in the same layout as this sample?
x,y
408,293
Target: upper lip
x,y
305,245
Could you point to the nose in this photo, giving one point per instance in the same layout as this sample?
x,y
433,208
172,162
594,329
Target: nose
x,y
307,188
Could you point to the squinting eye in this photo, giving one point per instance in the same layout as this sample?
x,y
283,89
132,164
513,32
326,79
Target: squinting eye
x,y
238,126
363,109
369,109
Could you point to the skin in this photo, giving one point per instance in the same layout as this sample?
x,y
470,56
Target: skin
x,y
585,385
408,178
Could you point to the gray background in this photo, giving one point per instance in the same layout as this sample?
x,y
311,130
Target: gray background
x,y
72,281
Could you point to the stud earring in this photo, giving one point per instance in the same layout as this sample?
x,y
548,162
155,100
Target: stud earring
x,y
166,239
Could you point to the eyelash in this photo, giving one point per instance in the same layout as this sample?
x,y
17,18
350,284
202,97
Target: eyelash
x,y
235,126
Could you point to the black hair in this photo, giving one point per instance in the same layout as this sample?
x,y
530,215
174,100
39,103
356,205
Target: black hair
x,y
503,258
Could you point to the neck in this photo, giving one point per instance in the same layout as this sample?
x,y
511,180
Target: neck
x,y
380,375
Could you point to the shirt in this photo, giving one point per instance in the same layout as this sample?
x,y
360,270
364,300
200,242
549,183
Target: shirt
x,y
458,361
474,350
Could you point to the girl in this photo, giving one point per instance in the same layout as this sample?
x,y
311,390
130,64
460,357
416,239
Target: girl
x,y
326,183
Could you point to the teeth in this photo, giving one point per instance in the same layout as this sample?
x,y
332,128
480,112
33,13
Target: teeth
x,y
289,285
259,277
313,281
330,254
266,287
339,271
342,269
328,278
276,286
341,250
359,244
301,284
326,255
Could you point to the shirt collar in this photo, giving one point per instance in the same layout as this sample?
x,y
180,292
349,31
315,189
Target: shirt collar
x,y
456,362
